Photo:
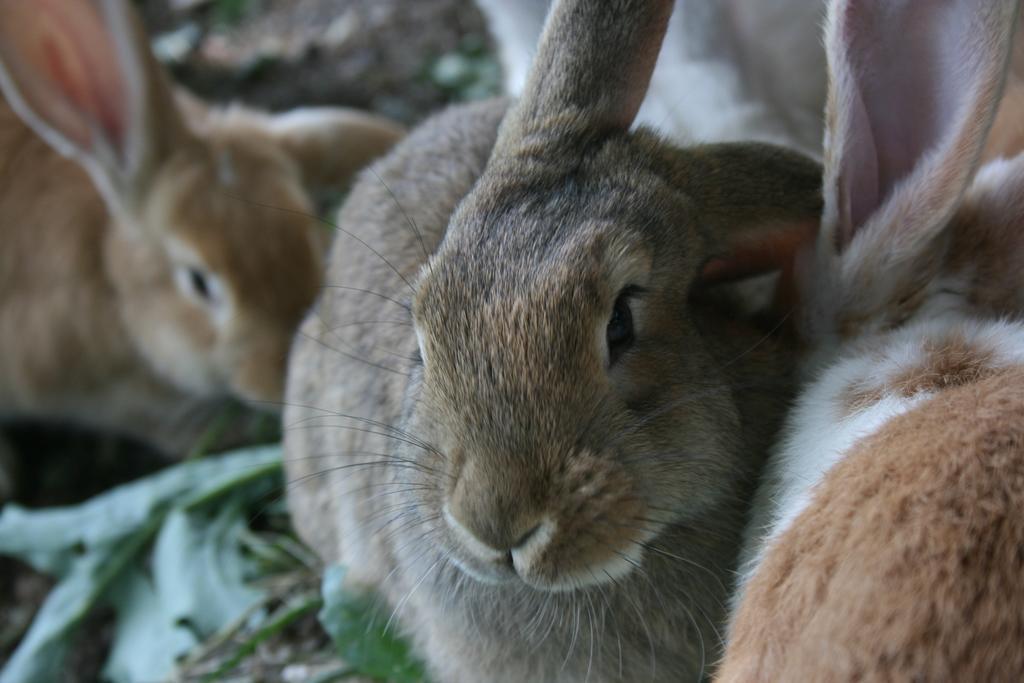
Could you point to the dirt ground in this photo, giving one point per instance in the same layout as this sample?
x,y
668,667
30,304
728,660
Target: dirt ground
x,y
371,54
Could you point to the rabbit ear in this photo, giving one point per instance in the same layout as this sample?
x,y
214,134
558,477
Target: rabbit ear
x,y
592,68
331,143
82,76
762,203
1006,139
914,86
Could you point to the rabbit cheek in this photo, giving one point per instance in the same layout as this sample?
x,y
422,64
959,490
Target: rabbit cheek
x,y
180,343
258,372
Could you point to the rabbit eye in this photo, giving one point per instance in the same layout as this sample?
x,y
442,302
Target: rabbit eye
x,y
199,285
620,327
198,282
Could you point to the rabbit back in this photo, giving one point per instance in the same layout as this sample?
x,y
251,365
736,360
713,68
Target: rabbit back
x,y
906,564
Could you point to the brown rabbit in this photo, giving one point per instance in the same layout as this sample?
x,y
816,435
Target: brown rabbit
x,y
887,538
518,410
157,254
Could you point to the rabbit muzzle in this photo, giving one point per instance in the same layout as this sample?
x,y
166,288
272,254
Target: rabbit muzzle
x,y
575,525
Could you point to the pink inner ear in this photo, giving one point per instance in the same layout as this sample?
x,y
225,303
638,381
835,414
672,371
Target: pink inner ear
x,y
859,185
905,76
63,61
85,82
769,251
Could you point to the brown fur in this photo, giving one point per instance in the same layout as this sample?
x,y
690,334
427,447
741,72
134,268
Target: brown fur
x,y
948,363
925,518
987,243
503,242
93,326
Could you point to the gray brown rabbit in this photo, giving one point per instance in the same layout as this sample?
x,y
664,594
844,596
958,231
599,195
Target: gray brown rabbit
x,y
520,410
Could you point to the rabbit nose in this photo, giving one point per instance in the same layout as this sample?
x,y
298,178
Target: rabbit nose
x,y
492,538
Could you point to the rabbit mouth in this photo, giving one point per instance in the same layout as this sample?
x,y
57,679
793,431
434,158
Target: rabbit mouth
x,y
545,558
515,568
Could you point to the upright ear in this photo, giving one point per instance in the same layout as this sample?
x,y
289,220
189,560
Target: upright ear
x,y
591,71
914,87
1006,139
81,74
761,204
331,143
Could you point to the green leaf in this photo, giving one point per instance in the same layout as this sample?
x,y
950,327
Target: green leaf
x,y
145,648
358,630
274,625
230,12
41,652
200,571
52,539
90,546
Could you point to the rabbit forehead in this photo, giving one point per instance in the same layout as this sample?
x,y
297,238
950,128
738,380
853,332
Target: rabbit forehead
x,y
508,331
540,286
629,179
244,217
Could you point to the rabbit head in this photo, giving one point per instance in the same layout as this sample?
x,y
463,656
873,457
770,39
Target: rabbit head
x,y
213,251
568,384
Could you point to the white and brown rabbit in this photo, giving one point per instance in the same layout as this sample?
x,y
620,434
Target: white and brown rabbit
x,y
519,411
156,254
887,539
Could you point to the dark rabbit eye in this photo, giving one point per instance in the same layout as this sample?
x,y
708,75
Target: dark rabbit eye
x,y
197,279
620,327
199,284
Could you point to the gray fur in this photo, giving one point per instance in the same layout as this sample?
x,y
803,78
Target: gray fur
x,y
507,260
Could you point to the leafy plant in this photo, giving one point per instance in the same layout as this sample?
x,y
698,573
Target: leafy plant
x,y
192,515
361,636
192,585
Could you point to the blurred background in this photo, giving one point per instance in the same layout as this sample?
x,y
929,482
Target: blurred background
x,y
393,57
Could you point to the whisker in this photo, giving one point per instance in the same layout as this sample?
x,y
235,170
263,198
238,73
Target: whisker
x,y
361,290
352,356
325,413
401,603
408,220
